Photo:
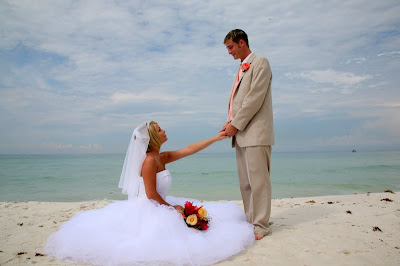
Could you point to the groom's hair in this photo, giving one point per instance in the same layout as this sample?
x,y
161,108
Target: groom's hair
x,y
237,35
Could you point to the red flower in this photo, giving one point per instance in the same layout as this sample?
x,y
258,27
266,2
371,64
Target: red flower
x,y
203,225
190,208
245,66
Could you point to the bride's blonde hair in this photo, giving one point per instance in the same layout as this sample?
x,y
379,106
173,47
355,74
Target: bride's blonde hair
x,y
155,140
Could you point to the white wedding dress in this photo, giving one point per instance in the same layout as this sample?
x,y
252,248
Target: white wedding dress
x,y
142,232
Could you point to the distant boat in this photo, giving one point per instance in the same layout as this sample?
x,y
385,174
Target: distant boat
x,y
353,151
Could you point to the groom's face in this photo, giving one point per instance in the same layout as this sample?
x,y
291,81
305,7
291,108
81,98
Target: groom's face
x,y
234,49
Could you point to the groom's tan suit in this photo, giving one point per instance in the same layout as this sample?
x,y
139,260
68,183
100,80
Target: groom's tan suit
x,y
253,117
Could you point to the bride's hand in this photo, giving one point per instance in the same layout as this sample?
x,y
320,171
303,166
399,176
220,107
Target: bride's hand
x,y
221,135
178,208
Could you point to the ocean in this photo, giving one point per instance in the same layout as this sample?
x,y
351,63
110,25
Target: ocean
x,y
203,176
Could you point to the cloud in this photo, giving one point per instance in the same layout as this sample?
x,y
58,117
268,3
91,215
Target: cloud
x,y
330,76
120,97
393,53
382,133
356,60
379,85
54,146
89,71
387,123
352,141
91,147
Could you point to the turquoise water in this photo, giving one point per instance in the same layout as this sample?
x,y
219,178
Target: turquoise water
x,y
201,176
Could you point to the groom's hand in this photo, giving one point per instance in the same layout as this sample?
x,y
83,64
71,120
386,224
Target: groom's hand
x,y
224,127
230,130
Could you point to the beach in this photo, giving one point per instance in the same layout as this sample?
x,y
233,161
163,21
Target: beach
x,y
357,229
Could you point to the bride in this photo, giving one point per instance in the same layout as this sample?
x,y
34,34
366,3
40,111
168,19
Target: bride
x,y
148,228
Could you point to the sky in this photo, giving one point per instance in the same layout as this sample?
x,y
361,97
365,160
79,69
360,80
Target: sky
x,y
79,76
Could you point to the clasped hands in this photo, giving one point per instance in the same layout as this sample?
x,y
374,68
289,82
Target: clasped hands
x,y
229,129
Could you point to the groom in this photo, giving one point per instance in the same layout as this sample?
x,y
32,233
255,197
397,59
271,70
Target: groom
x,y
250,123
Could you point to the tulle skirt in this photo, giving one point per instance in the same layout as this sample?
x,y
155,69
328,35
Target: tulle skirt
x,y
142,232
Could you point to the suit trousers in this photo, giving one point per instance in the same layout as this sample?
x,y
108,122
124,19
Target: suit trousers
x,y
253,165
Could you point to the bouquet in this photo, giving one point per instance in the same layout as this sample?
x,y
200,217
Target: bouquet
x,y
195,217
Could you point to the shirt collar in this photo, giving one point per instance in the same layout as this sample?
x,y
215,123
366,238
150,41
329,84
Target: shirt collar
x,y
247,58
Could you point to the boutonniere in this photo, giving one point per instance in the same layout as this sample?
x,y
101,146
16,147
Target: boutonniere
x,y
245,67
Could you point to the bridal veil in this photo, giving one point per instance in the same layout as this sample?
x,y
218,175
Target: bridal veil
x,y
131,171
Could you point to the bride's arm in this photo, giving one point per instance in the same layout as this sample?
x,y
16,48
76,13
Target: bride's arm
x,y
149,172
170,156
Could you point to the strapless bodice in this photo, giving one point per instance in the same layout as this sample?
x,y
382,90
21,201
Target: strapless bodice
x,y
163,182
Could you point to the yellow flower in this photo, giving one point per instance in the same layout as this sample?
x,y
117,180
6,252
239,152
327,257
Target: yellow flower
x,y
192,219
202,213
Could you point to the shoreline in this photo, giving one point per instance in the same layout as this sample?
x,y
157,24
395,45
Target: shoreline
x,y
357,229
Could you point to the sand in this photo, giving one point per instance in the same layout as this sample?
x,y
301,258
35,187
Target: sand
x,y
360,229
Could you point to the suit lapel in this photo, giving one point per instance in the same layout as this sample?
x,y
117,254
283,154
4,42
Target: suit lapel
x,y
251,58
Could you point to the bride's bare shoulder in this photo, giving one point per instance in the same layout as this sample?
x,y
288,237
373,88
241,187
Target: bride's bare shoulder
x,y
149,162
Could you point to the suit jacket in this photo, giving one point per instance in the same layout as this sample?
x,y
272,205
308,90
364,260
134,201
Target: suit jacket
x,y
252,105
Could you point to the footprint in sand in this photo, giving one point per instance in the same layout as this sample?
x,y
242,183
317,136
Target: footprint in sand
x,y
346,252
